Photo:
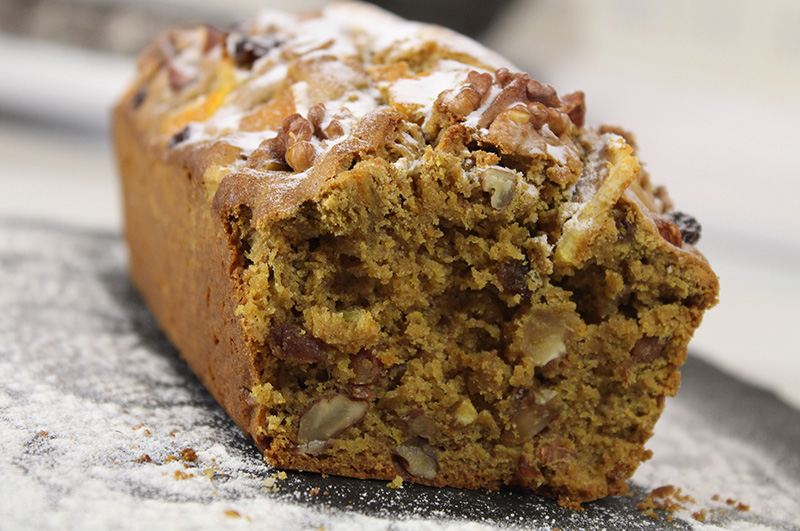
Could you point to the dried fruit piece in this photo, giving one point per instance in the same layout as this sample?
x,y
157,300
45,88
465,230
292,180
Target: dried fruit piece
x,y
366,366
647,349
330,416
416,458
248,50
289,342
513,276
689,228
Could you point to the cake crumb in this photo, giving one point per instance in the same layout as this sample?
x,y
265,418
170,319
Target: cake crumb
x,y
396,483
663,492
230,513
666,498
314,491
188,454
270,484
700,515
180,475
144,458
742,507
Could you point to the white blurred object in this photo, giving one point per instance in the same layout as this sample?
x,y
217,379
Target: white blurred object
x,y
709,87
57,83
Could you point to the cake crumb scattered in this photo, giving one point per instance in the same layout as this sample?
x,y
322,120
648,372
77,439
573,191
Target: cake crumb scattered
x,y
180,475
396,483
230,513
314,491
270,484
666,498
188,454
144,458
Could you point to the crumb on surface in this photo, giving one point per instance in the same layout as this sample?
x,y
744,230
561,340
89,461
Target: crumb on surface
x,y
270,484
180,475
188,454
396,483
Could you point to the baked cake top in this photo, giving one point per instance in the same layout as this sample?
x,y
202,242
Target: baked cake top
x,y
267,114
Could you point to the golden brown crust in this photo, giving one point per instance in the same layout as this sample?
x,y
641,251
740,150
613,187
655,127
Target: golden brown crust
x,y
180,261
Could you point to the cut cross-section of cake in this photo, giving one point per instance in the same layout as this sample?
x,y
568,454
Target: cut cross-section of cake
x,y
385,252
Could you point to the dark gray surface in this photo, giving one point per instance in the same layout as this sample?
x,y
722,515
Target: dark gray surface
x,y
74,335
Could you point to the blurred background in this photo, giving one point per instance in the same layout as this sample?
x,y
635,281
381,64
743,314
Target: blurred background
x,y
710,87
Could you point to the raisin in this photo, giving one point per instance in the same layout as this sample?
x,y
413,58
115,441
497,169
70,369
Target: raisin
x,y
139,97
179,137
688,226
289,342
247,51
513,276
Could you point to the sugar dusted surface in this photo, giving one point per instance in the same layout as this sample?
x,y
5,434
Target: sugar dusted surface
x,y
344,31
89,387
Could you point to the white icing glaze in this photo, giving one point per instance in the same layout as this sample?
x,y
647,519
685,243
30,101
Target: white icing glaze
x,y
352,31
422,91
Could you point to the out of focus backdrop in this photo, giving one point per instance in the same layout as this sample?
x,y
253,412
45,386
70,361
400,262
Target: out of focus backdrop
x,y
711,89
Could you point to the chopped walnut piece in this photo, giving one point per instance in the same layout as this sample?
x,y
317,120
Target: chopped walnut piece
x,y
301,156
315,116
471,95
528,471
532,412
514,92
420,424
297,129
417,459
330,416
270,155
544,94
574,106
668,230
334,129
540,336
501,183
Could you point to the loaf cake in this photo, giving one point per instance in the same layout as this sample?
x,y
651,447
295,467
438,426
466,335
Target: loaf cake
x,y
387,252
